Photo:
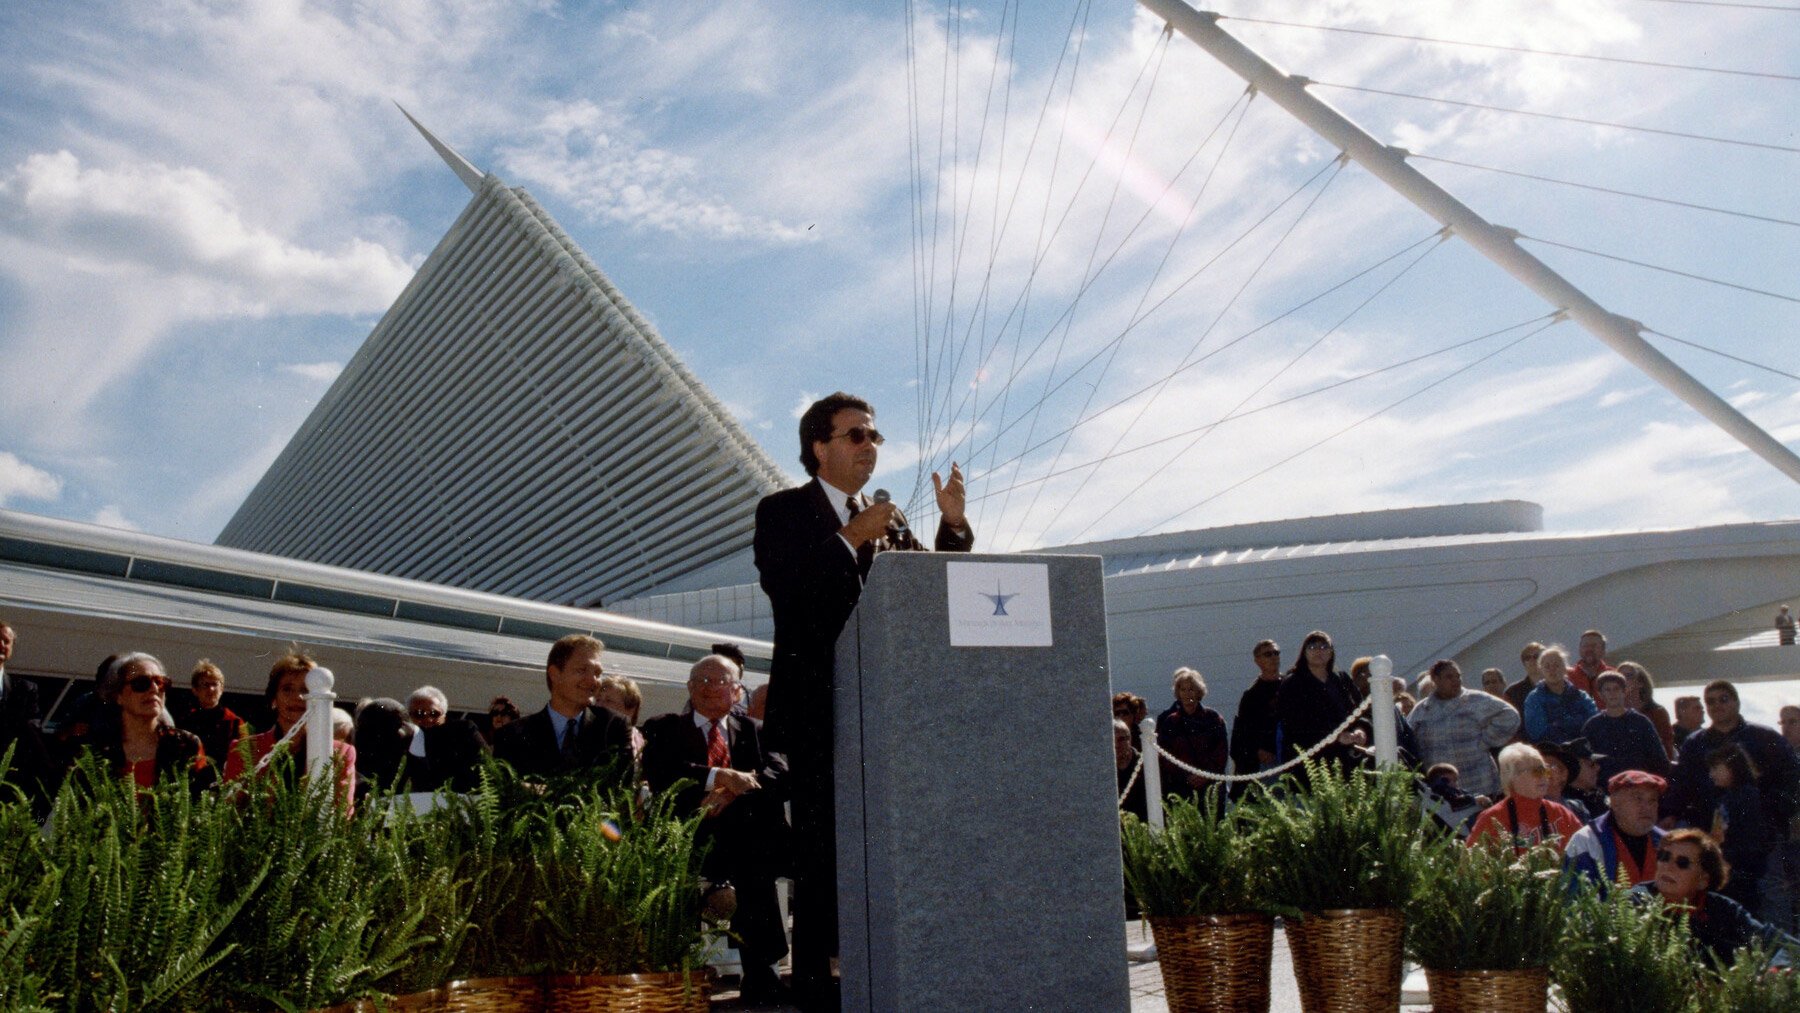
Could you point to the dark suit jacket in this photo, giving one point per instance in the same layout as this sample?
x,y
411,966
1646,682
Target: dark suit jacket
x,y
453,752
675,748
752,830
530,745
21,729
813,582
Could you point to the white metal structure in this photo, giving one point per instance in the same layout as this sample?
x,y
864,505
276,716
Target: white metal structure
x,y
513,425
1470,582
78,592
1499,245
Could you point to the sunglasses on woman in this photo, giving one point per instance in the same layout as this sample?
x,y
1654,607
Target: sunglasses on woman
x,y
143,683
1682,862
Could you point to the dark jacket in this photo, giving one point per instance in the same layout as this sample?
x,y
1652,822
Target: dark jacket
x,y
1692,796
1254,726
529,744
21,729
748,840
1309,710
1721,927
218,728
453,754
1197,739
813,582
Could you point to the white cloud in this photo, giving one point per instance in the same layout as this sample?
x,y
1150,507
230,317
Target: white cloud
x,y
184,223
594,158
19,480
112,517
319,372
116,261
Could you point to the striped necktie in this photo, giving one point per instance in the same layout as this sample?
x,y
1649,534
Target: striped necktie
x,y
718,753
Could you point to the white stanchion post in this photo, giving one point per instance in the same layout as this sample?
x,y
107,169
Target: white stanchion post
x,y
1152,774
319,701
1381,710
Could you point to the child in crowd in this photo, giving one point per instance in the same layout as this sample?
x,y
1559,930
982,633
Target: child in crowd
x,y
1738,823
1459,807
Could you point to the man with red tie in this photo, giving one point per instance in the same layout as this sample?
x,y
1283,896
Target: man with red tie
x,y
724,769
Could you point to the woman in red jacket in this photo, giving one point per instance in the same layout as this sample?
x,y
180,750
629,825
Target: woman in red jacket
x,y
1525,819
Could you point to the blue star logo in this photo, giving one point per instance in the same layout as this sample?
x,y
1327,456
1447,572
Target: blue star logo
x,y
999,599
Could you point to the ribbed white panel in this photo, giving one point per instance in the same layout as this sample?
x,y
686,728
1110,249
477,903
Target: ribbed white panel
x,y
513,425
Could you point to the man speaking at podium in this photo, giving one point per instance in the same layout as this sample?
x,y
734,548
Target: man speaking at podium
x,y
814,547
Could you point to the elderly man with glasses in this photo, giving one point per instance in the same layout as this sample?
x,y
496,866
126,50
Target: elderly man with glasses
x,y
719,758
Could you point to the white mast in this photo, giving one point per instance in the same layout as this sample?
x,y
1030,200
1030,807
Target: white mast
x,y
463,168
1498,244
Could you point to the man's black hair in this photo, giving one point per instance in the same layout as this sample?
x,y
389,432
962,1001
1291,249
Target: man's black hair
x,y
815,425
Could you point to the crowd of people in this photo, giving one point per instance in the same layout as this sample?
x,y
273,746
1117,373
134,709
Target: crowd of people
x,y
712,750
1701,812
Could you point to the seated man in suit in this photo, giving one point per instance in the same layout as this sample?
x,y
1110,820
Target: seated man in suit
x,y
22,731
571,733
720,757
451,748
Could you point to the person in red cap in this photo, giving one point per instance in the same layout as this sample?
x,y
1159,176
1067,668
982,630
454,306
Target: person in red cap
x,y
1623,841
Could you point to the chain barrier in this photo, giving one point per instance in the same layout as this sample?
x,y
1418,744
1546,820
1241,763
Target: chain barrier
x,y
1263,775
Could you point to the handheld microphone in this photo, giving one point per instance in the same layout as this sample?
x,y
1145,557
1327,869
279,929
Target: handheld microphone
x,y
897,527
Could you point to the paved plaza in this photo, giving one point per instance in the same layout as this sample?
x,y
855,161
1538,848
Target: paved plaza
x,y
1147,985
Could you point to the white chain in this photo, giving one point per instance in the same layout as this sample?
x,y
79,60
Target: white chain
x,y
1265,774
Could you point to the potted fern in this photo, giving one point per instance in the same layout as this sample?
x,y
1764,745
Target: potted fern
x,y
1485,926
1197,881
1340,857
1749,985
336,914
1621,956
493,837
617,907
127,911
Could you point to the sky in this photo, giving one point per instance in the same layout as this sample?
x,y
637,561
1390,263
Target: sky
x,y
1055,246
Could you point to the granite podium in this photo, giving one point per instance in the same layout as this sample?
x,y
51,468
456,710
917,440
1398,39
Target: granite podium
x,y
977,810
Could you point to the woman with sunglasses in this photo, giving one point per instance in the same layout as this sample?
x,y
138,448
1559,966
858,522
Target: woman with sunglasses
x,y
285,696
1690,870
133,732
1524,818
1314,699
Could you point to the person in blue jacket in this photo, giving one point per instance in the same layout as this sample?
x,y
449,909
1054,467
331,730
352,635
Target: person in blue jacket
x,y
1621,844
1555,711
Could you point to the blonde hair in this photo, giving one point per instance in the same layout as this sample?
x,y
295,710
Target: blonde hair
x,y
1187,676
1516,761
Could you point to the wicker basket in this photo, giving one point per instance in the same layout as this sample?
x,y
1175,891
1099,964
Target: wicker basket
x,y
495,995
1523,990
1348,961
1215,962
671,992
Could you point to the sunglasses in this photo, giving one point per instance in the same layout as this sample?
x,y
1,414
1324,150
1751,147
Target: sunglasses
x,y
1268,654
431,715
858,435
1682,862
1318,647
143,683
